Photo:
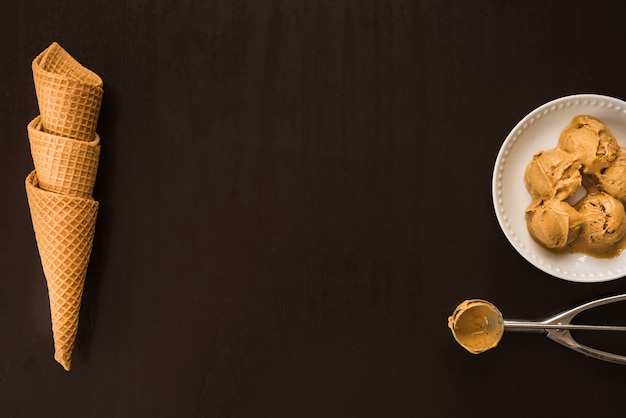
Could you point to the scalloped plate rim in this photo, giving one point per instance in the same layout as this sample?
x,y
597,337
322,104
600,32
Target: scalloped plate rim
x,y
539,131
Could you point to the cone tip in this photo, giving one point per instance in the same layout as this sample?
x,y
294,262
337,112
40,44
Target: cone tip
x,y
65,362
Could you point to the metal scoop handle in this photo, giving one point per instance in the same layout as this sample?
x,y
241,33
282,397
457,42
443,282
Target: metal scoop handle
x,y
540,326
558,329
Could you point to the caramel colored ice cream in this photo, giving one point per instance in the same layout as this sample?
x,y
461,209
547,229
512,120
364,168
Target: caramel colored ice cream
x,y
604,222
553,174
612,180
554,223
591,142
476,325
587,156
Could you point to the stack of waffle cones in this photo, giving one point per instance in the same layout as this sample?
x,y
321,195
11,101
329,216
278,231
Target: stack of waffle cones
x,y
65,150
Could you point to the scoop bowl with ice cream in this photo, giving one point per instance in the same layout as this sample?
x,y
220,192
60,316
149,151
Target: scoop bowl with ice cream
x,y
478,325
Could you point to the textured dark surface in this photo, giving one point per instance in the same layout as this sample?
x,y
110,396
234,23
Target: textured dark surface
x,y
294,196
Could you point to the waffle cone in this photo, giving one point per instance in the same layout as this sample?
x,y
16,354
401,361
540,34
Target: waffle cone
x,y
69,95
63,165
64,229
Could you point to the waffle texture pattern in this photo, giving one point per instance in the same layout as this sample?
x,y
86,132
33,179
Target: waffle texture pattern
x,y
66,151
69,95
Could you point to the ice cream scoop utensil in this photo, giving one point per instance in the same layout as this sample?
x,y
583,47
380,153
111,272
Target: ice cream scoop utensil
x,y
477,325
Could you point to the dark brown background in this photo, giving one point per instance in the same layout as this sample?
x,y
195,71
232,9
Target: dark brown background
x,y
294,196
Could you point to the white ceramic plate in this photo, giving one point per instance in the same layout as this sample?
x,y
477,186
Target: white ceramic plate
x,y
540,131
